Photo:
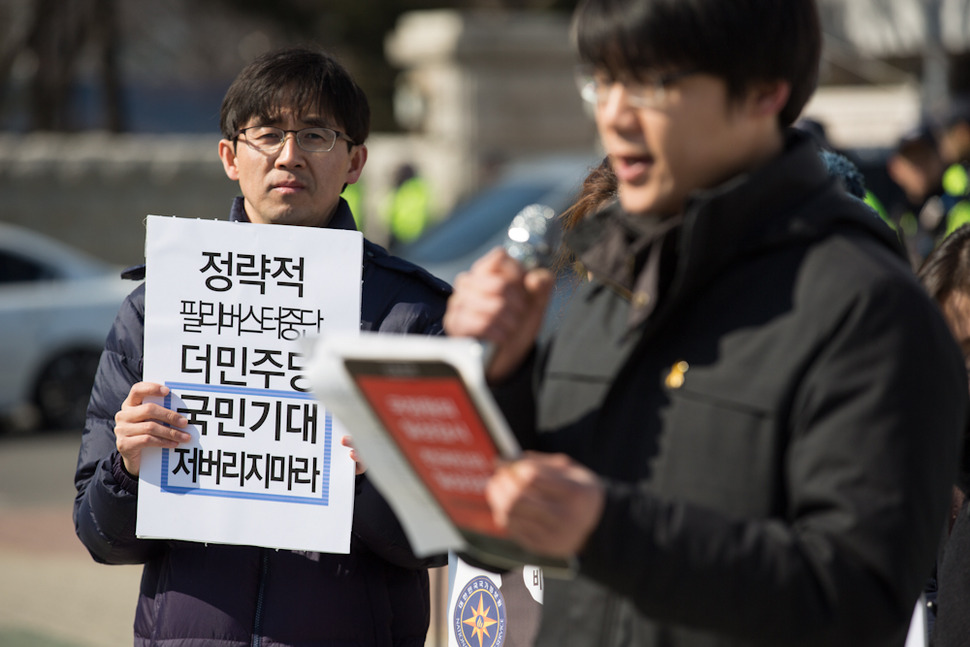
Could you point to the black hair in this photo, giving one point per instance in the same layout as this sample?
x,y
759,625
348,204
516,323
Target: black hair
x,y
739,41
306,80
947,269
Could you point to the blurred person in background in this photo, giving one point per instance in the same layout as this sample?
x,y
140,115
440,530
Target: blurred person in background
x,y
917,167
407,208
734,434
819,134
955,135
294,125
946,276
955,149
353,196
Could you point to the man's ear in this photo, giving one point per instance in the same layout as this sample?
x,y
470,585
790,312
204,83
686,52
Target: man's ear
x,y
358,157
227,153
769,97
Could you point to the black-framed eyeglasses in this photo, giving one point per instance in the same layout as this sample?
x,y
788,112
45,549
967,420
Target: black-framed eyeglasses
x,y
269,139
594,87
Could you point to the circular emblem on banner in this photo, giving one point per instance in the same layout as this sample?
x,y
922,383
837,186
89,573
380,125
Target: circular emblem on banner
x,y
479,616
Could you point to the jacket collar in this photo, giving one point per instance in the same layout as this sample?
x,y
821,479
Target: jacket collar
x,y
342,217
793,199
740,215
624,252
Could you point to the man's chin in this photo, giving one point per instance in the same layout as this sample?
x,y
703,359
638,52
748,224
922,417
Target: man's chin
x,y
637,205
641,203
297,217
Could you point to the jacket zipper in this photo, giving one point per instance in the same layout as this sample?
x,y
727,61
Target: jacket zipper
x,y
258,619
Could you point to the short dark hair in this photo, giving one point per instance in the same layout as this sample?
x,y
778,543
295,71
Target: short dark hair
x,y
947,269
305,80
740,41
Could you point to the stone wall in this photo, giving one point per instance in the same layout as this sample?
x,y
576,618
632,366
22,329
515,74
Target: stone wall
x,y
483,88
94,190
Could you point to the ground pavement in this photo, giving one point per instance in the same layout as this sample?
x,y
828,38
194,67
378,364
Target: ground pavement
x,y
52,594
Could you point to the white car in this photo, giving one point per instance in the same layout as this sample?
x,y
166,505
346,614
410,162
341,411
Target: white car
x,y
56,307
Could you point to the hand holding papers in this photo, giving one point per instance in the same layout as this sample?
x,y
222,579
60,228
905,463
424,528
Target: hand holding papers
x,y
429,432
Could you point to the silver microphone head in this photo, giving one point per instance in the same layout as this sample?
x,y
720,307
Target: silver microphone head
x,y
533,236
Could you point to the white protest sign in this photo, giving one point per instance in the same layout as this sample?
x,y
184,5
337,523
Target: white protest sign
x,y
228,308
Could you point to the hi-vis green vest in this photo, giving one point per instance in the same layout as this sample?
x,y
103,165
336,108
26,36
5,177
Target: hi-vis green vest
x,y
352,194
408,210
956,185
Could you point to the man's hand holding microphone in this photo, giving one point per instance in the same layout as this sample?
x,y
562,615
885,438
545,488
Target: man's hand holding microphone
x,y
548,503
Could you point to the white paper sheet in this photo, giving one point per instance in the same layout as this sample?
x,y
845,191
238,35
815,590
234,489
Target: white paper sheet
x,y
228,309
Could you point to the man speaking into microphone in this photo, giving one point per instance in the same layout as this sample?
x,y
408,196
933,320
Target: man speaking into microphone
x,y
746,428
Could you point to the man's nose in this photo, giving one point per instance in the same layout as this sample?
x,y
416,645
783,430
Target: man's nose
x,y
615,103
290,153
617,115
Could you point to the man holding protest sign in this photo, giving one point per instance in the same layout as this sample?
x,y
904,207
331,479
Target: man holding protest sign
x,y
294,125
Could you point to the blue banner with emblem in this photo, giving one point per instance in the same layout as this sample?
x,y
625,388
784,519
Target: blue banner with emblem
x,y
487,609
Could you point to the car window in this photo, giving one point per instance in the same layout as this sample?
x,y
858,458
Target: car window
x,y
473,222
16,269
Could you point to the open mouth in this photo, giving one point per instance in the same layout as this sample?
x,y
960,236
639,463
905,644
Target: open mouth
x,y
632,168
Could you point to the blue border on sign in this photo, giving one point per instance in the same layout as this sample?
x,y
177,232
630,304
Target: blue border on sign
x,y
324,498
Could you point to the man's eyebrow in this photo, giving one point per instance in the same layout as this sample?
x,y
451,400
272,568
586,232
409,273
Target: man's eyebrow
x,y
319,122
312,121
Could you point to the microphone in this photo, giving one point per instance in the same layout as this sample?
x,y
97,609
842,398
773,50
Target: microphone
x,y
533,236
531,240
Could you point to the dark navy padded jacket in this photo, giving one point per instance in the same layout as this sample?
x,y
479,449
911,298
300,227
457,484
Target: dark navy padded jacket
x,y
195,594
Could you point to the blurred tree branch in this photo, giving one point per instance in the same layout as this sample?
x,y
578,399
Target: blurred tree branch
x,y
51,50
48,38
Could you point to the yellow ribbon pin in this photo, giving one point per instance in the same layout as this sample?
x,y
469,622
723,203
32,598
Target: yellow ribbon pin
x,y
675,378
